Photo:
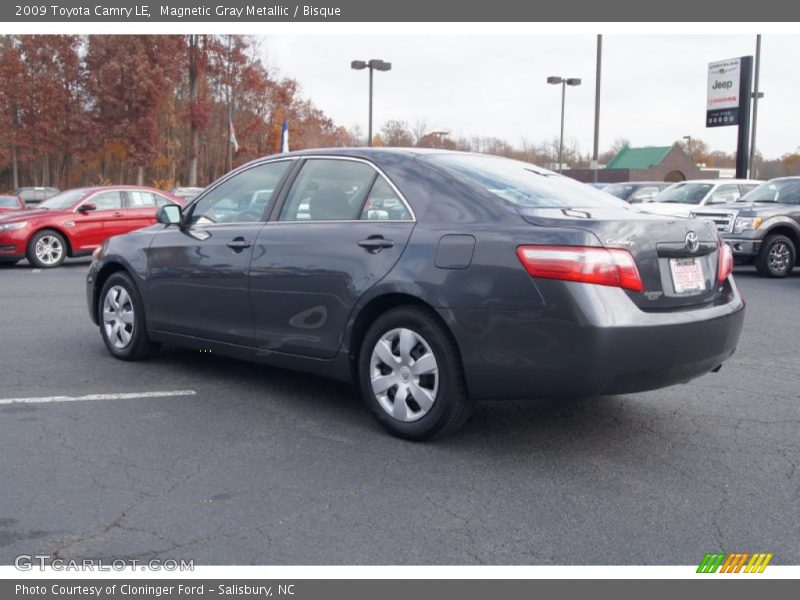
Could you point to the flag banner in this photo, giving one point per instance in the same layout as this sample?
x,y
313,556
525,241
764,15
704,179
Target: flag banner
x,y
285,137
232,137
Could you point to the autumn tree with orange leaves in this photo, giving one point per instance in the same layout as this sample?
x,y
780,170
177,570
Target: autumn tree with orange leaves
x,y
80,110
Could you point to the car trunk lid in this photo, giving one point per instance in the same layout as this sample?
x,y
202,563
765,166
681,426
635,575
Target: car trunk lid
x,y
676,257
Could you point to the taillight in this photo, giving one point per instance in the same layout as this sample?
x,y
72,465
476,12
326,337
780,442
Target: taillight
x,y
603,266
725,262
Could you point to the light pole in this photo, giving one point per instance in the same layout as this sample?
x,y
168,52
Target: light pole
x,y
596,145
757,94
375,64
564,83
688,139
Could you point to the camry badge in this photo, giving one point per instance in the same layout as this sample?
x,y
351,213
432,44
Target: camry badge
x,y
692,244
619,242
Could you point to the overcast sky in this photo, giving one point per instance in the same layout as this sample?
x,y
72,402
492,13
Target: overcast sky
x,y
653,87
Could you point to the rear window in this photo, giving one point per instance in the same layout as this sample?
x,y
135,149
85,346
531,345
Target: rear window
x,y
521,183
685,193
620,190
9,202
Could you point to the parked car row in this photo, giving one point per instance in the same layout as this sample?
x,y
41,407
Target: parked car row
x,y
75,222
762,227
760,220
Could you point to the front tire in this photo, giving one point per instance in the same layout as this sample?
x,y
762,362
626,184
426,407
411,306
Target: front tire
x,y
411,376
122,319
777,257
47,249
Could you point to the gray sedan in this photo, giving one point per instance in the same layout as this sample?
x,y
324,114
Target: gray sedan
x,y
430,279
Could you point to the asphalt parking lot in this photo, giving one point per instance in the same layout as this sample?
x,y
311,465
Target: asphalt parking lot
x,y
261,466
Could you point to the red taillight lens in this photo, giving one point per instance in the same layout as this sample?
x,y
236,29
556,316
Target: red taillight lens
x,y
603,266
725,262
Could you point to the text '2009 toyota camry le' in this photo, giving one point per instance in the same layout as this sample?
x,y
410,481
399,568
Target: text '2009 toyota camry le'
x,y
429,278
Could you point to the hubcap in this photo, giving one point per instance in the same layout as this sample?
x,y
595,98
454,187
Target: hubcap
x,y
49,249
118,318
779,257
404,374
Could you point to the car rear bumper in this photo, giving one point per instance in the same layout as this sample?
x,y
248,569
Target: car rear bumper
x,y
598,343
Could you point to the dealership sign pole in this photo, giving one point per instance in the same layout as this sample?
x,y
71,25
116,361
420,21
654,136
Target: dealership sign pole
x,y
728,102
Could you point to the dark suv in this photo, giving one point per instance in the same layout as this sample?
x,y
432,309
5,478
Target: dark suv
x,y
763,226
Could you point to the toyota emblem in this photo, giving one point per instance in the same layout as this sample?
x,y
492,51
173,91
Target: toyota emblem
x,y
692,244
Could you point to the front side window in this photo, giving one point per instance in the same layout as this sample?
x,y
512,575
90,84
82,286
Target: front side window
x,y
783,191
241,199
329,190
725,193
106,200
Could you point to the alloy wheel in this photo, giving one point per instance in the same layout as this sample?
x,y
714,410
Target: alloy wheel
x,y
779,258
49,249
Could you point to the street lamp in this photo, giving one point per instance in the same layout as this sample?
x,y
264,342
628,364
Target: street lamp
x,y
564,83
688,139
375,64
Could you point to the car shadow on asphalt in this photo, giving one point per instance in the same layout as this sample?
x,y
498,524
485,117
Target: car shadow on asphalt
x,y
499,424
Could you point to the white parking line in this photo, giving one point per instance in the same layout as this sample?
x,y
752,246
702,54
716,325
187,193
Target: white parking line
x,y
125,396
36,271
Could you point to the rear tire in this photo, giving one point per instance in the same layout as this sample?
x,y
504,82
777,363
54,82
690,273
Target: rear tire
x,y
411,376
123,327
776,257
47,249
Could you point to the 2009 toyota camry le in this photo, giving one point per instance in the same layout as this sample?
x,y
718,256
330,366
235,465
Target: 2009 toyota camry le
x,y
431,279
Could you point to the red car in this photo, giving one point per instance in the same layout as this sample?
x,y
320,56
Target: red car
x,y
75,222
9,203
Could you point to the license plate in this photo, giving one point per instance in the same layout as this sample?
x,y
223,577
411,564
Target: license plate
x,y
687,275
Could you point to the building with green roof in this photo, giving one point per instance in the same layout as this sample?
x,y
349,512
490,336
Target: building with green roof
x,y
648,163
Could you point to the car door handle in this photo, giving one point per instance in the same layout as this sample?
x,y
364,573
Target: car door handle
x,y
239,244
118,214
375,243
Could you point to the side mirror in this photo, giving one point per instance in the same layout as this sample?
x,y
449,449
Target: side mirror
x,y
169,214
88,207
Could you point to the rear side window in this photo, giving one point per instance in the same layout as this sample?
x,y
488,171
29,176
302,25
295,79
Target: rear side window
x,y
383,204
329,190
141,199
521,183
644,194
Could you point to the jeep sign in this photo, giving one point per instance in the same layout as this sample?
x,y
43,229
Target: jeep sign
x,y
722,107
